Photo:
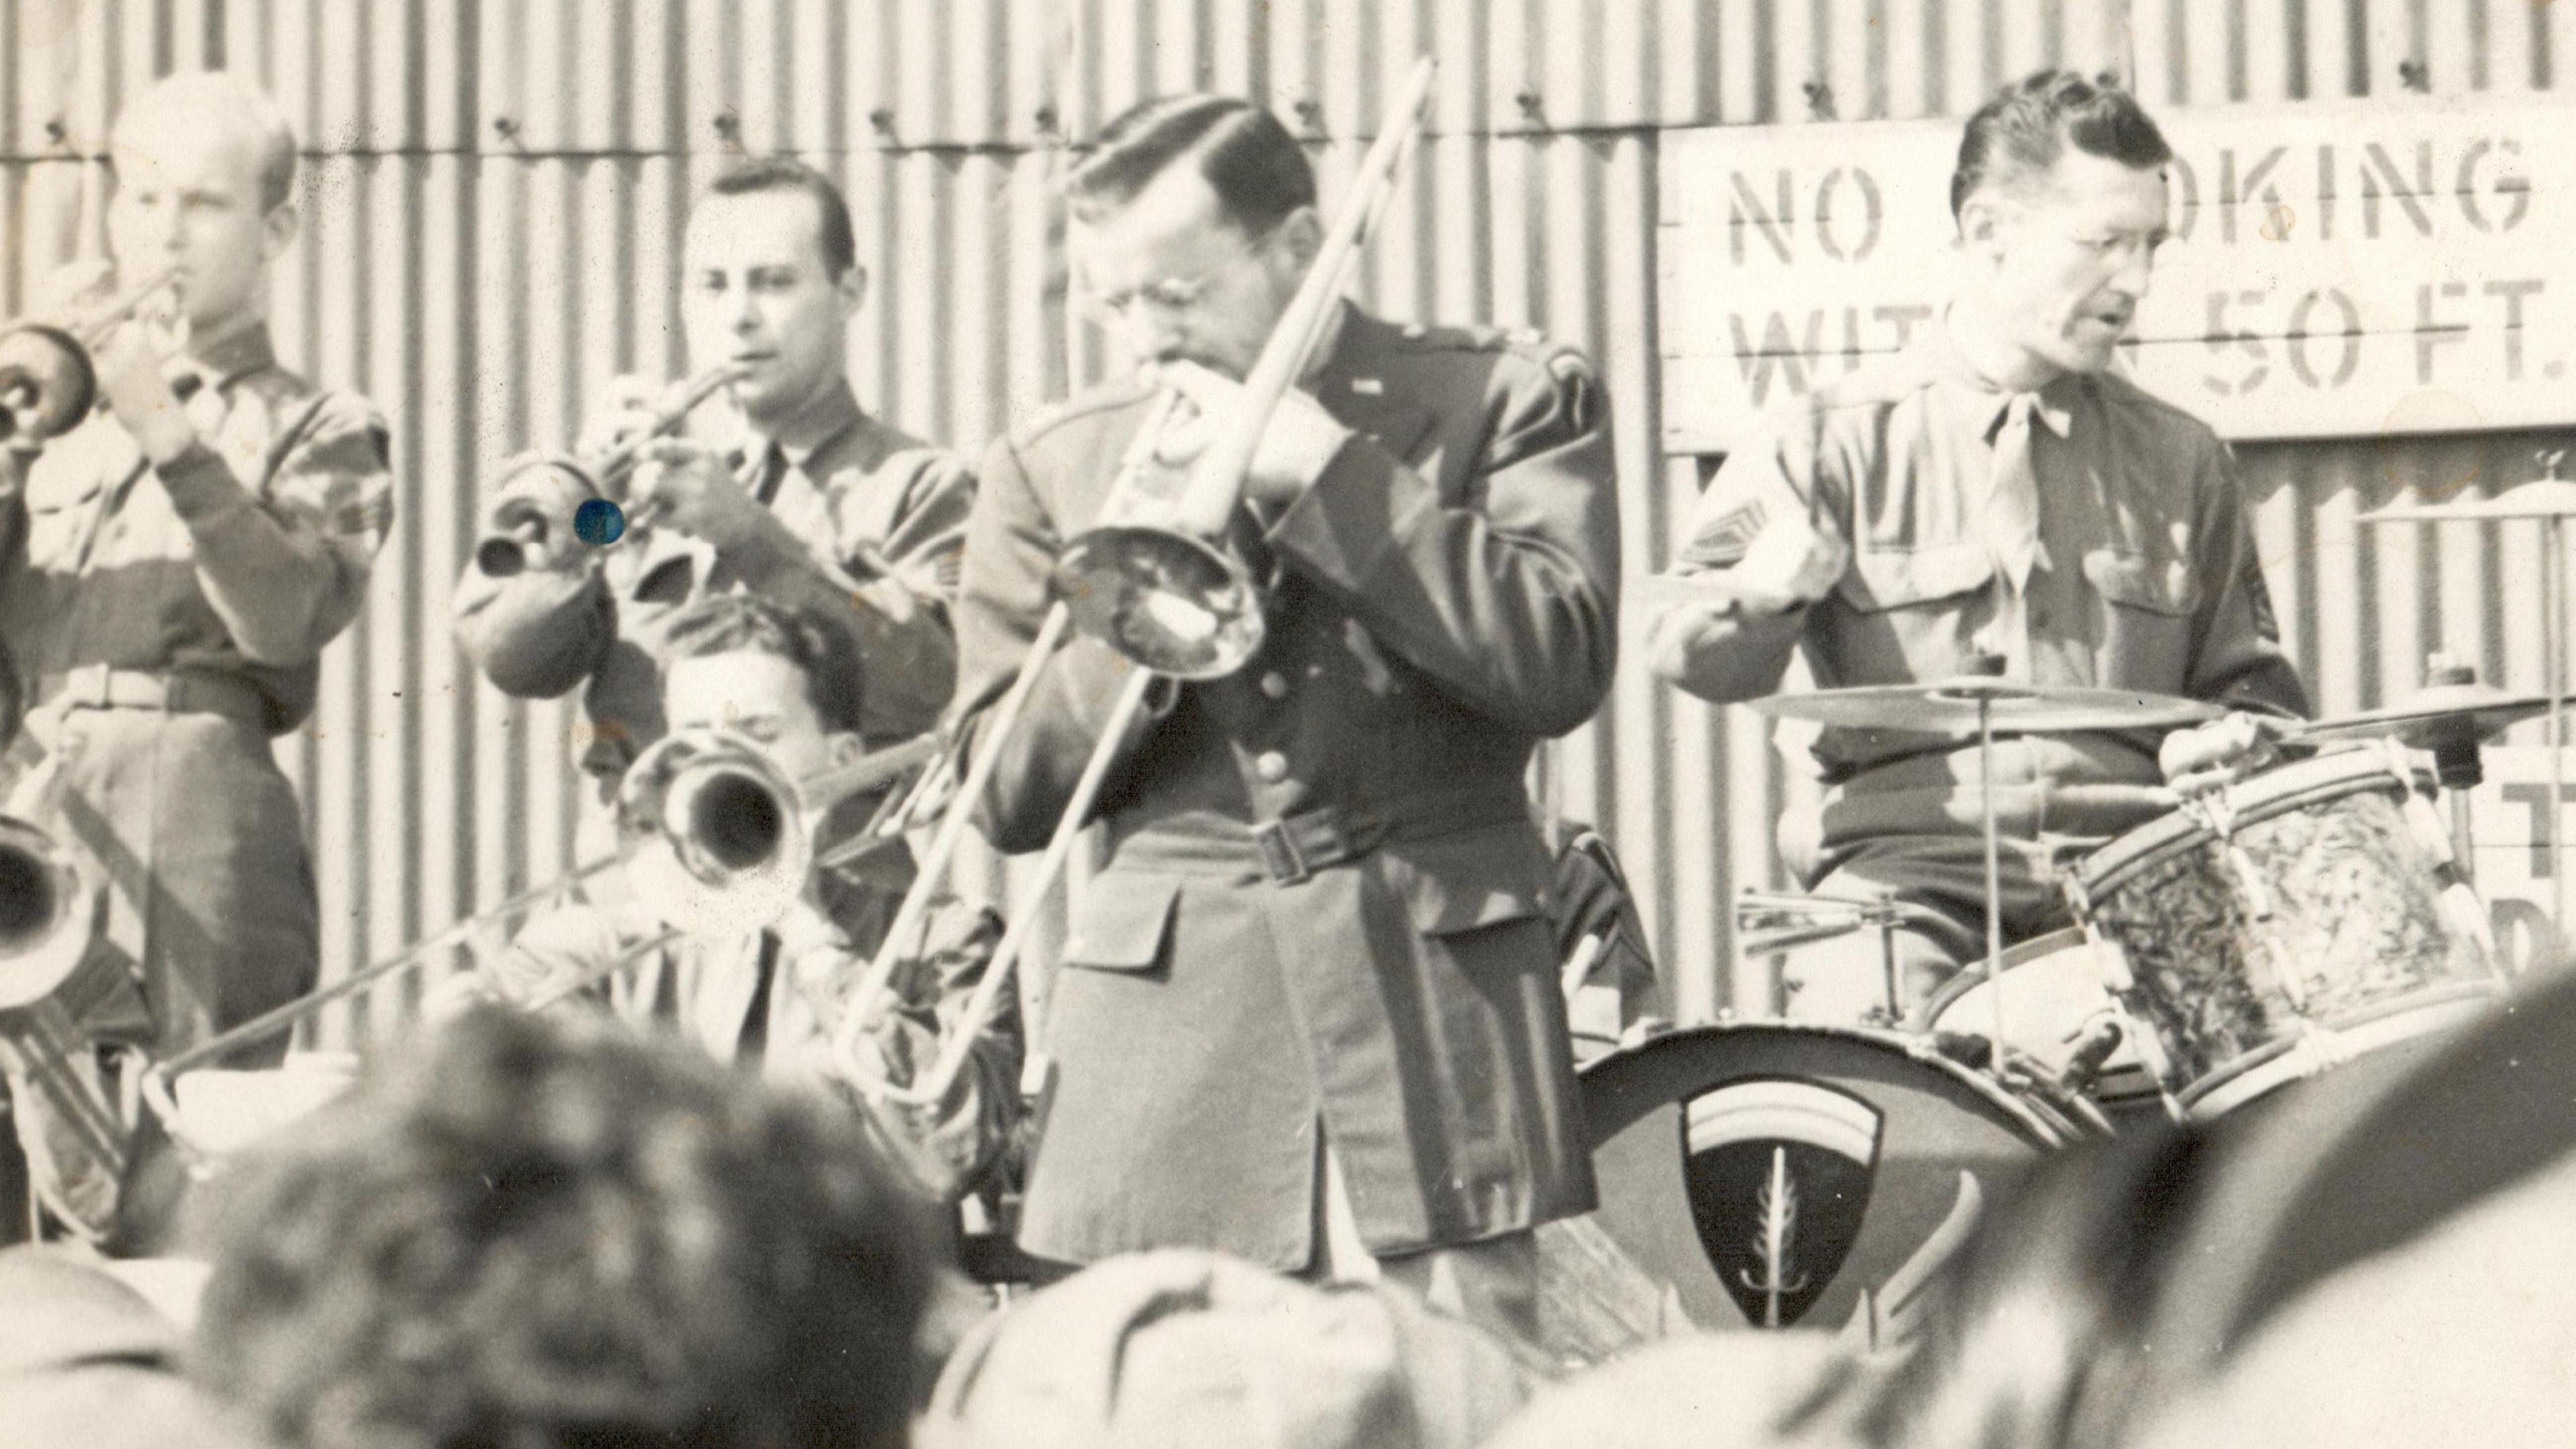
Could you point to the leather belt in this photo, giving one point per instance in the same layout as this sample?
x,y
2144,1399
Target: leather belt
x,y
1292,848
101,686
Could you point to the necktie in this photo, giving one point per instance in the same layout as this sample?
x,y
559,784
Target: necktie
x,y
2012,505
773,471
755,1027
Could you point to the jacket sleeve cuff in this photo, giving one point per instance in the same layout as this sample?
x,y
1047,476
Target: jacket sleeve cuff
x,y
201,486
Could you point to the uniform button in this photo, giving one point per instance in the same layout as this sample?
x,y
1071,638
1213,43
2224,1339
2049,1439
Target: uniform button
x,y
1275,685
1271,766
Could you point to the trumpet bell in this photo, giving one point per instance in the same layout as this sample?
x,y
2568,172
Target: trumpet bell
x,y
723,847
530,526
42,934
1175,604
46,382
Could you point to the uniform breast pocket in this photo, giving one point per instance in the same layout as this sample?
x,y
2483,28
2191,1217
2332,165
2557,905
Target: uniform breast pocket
x,y
2146,630
1912,612
1118,921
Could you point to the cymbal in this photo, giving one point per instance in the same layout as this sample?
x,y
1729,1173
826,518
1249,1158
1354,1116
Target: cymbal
x,y
2540,498
2433,714
1950,706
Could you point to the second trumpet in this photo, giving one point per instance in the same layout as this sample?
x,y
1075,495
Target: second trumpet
x,y
47,382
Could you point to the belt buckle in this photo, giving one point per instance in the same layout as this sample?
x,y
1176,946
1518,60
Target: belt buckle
x,y
1280,858
88,686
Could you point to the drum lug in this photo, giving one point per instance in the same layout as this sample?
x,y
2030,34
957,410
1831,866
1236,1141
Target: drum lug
x,y
2258,892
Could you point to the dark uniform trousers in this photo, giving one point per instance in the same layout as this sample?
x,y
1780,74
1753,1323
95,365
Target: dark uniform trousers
x,y
166,623
1318,935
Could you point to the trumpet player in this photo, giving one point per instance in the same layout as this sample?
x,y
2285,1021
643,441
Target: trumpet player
x,y
1308,1013
821,494
170,570
769,1000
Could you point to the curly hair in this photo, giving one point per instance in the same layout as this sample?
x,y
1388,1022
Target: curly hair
x,y
538,1233
2022,131
724,623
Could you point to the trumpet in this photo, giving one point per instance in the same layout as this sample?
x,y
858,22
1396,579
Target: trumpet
x,y
530,526
47,382
1165,597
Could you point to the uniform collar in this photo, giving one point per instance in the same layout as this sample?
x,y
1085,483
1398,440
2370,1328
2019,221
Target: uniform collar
x,y
1982,404
827,418
228,359
1349,378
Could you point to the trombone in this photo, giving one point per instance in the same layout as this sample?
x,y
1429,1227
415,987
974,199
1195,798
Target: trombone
x,y
47,381
530,526
716,839
1164,596
48,916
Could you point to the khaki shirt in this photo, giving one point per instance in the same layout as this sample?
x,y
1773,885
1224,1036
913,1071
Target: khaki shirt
x,y
713,993
885,508
242,557
2147,577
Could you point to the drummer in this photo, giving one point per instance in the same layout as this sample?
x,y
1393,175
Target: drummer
x,y
1995,491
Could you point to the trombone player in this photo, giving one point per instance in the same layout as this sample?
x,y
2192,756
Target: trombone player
x,y
170,570
1309,1012
768,999
821,497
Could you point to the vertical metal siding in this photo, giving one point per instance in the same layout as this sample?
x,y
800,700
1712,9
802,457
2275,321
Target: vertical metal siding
x,y
495,194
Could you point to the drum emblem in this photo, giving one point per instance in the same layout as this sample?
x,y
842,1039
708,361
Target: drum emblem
x,y
1779,1174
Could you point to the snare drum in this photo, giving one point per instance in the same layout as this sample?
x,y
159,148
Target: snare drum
x,y
1773,1174
2284,924
2055,995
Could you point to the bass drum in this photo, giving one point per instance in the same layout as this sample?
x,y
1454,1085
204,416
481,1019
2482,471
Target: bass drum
x,y
1771,1175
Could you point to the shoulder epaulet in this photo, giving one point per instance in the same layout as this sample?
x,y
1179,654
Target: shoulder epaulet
x,y
1527,341
1106,397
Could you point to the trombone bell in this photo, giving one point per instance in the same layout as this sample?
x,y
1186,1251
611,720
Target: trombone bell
x,y
723,842
1174,604
42,935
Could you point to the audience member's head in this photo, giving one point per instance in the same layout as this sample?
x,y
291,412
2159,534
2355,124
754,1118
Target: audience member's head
x,y
2041,1339
530,1232
87,1360
1736,1390
1191,1349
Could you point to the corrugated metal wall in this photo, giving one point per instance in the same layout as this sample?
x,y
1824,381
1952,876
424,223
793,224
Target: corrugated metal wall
x,y
495,190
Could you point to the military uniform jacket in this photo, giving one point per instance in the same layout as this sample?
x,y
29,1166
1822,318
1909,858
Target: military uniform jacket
x,y
2147,579
1321,906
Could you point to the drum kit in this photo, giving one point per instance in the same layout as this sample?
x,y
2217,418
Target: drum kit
x,y
2253,936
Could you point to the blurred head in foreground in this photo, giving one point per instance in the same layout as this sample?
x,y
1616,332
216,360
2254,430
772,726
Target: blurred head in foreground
x,y
1180,1348
534,1233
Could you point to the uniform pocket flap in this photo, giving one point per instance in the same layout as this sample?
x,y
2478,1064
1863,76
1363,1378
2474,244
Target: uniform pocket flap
x,y
1118,920
1476,878
2141,582
1888,579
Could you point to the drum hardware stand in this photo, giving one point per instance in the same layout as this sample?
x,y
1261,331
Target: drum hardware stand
x,y
2551,499
2458,764
1802,919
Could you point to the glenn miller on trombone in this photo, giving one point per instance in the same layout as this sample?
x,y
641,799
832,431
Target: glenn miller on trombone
x,y
171,566
1310,1013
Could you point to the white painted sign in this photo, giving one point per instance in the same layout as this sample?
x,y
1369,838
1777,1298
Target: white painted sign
x,y
2509,814
2335,270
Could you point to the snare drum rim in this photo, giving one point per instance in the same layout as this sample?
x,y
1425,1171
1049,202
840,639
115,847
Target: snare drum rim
x,y
2251,801
2042,1127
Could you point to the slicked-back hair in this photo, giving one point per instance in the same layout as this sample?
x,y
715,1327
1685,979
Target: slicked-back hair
x,y
727,623
831,209
1258,171
221,93
2029,124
